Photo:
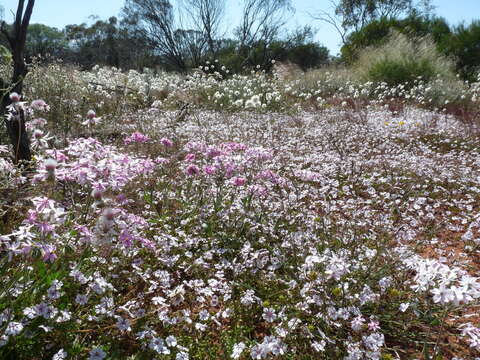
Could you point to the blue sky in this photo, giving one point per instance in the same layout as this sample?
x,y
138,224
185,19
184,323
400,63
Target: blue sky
x,y
59,13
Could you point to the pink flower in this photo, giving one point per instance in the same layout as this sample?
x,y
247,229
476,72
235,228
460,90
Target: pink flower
x,y
37,134
45,227
85,234
239,181
190,157
166,142
49,253
213,152
160,160
39,105
229,169
373,325
192,170
32,216
209,170
126,238
136,137
121,199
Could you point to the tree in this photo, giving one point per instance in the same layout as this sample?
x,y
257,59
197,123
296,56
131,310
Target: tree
x,y
44,40
142,54
85,41
300,49
192,46
354,15
206,17
157,21
260,25
16,38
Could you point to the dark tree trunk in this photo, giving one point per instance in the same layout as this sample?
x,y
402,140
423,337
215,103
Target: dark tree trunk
x,y
15,124
17,133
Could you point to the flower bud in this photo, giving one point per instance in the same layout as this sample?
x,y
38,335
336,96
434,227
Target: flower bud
x,y
50,165
14,97
91,114
109,214
38,134
97,194
166,142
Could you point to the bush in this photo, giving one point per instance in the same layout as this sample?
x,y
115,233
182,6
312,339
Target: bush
x,y
377,33
395,72
464,44
373,34
402,60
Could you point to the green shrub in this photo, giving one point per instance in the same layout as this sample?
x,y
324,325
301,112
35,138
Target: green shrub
x,y
376,33
402,60
395,72
464,45
373,34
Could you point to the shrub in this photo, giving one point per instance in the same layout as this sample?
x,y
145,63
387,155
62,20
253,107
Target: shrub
x,y
373,34
464,44
395,72
402,60
377,33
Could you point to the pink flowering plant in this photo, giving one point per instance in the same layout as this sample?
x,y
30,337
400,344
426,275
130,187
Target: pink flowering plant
x,y
343,234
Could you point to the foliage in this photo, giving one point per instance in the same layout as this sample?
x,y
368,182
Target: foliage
x,y
459,42
358,13
464,45
376,33
401,60
5,55
43,40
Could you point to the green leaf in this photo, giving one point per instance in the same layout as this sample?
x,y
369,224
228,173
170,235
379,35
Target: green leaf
x,y
5,55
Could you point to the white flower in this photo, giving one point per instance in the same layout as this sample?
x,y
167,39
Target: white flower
x,y
13,328
182,356
29,312
269,315
158,345
203,315
97,354
319,346
357,323
3,340
443,294
60,355
81,299
171,341
50,165
45,310
123,324
237,350
200,326
257,352
374,341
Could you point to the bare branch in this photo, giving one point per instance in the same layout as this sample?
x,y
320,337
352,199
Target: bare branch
x,y
329,19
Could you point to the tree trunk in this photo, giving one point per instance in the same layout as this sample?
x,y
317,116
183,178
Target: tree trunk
x,y
17,133
15,123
